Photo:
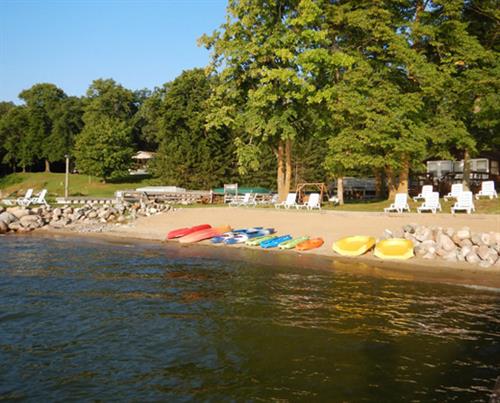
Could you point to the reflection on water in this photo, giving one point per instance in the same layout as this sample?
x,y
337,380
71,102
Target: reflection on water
x,y
84,320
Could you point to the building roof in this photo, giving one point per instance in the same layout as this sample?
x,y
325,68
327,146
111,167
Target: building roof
x,y
144,155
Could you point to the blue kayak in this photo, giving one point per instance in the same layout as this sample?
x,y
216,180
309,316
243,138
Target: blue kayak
x,y
229,235
240,238
272,243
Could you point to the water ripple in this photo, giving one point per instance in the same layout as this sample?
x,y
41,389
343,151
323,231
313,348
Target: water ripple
x,y
83,320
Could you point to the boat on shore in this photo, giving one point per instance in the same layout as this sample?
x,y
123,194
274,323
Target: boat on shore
x,y
354,245
394,248
205,234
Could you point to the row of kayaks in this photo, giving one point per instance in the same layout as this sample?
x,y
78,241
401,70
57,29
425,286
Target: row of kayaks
x,y
394,248
256,236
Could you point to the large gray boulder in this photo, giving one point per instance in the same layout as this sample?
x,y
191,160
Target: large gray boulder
x,y
445,242
31,221
3,227
7,217
18,211
463,233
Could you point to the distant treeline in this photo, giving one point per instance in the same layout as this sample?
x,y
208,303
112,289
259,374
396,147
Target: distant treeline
x,y
296,90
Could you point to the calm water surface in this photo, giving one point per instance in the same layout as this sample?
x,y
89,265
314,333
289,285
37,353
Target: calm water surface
x,y
86,320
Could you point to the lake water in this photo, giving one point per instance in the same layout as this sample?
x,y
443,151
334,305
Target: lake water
x,y
88,320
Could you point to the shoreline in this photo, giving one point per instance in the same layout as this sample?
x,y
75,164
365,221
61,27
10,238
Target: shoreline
x,y
153,229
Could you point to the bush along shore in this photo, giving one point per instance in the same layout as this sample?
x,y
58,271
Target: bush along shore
x,y
87,218
452,245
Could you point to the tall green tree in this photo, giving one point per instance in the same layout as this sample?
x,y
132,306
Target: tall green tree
x,y
41,101
67,122
262,90
14,126
190,154
104,148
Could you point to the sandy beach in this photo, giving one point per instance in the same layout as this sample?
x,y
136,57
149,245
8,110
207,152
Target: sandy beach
x,y
329,225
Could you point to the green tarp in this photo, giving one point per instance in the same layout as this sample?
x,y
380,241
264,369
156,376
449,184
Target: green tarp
x,y
243,190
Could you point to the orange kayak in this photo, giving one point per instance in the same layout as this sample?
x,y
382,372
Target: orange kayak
x,y
205,234
310,244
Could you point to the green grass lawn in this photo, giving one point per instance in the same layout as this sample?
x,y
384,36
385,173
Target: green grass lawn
x,y
15,185
483,206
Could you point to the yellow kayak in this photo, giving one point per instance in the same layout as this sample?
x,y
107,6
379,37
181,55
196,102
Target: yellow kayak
x,y
394,248
353,245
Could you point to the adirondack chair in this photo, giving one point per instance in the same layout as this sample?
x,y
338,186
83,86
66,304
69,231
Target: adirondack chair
x,y
39,199
289,202
464,202
487,190
426,189
22,201
312,203
456,189
400,204
431,203
248,200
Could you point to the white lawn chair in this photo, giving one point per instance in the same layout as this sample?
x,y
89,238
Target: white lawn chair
x,y
426,189
312,203
400,204
464,202
431,203
334,199
248,200
39,199
487,190
456,189
289,202
22,201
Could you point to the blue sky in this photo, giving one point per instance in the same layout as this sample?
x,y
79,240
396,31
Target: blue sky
x,y
139,43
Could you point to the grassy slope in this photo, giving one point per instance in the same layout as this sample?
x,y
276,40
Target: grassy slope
x,y
79,185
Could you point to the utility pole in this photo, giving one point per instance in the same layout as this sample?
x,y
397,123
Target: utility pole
x,y
66,179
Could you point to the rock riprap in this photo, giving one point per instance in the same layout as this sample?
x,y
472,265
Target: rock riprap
x,y
451,245
86,218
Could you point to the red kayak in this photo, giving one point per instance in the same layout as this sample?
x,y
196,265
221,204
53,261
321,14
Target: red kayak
x,y
205,234
177,233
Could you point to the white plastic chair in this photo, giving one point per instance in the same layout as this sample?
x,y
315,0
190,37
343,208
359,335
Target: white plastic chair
x,y
400,204
487,190
248,200
456,190
426,189
289,202
464,202
312,203
39,199
431,203
22,201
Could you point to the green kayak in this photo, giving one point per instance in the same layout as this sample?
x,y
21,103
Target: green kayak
x,y
292,243
258,240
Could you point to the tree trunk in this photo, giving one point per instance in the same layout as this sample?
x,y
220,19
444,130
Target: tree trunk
x,y
285,168
466,174
288,166
24,169
47,166
404,176
379,184
281,172
391,183
340,190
